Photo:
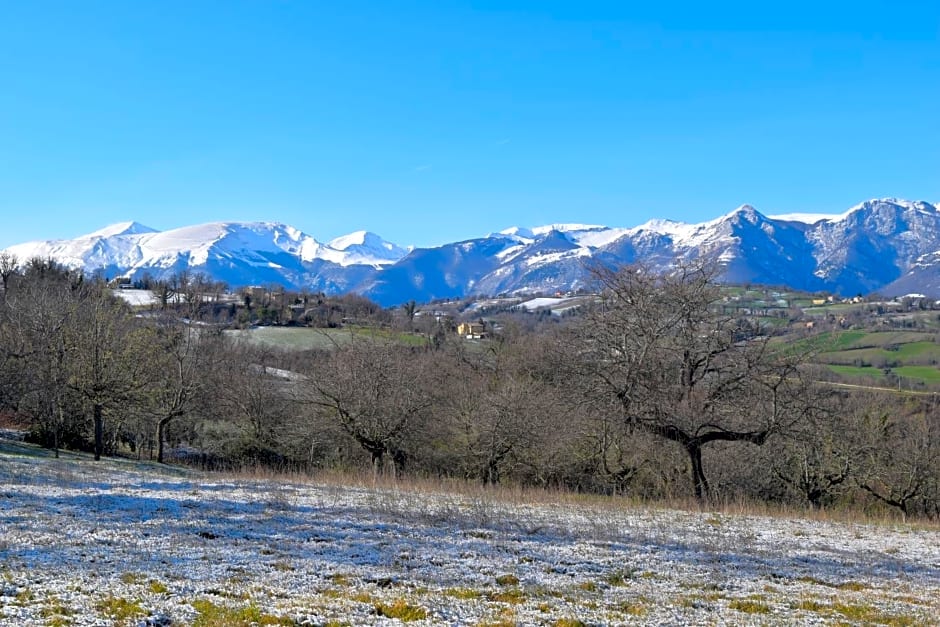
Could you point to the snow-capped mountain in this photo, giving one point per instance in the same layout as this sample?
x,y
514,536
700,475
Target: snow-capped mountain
x,y
889,245
239,253
876,244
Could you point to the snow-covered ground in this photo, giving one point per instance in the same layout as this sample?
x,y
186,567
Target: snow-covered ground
x,y
137,298
538,303
115,542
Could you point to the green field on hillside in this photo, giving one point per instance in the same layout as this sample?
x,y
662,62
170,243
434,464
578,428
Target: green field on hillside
x,y
928,374
912,355
857,371
835,341
923,353
923,374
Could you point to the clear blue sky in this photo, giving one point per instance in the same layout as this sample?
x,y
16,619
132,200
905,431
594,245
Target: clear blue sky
x,y
434,121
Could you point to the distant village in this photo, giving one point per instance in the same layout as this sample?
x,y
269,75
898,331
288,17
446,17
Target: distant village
x,y
475,318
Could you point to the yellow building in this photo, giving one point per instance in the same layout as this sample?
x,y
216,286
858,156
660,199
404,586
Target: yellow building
x,y
471,330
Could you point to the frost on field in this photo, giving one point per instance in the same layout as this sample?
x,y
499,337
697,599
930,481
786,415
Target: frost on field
x,y
120,543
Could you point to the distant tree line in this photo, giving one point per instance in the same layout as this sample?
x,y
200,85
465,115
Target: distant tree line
x,y
652,392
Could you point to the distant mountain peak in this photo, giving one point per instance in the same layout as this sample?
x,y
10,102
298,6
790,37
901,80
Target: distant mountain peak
x,y
362,248
532,233
567,228
122,228
356,238
746,212
875,204
518,231
366,239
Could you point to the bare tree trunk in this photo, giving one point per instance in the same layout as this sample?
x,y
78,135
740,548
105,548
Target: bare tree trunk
x,y
698,471
99,430
161,428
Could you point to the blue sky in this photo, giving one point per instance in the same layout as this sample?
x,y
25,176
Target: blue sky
x,y
435,121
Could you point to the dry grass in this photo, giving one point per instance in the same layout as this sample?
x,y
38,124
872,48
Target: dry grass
x,y
401,610
507,580
212,615
120,610
515,495
749,606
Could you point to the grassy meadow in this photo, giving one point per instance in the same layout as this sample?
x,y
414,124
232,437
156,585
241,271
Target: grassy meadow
x,y
911,355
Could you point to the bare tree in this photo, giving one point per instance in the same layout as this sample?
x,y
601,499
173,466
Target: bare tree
x,y
33,329
249,401
482,408
409,309
901,465
373,390
495,407
104,355
182,357
816,461
163,292
8,265
681,370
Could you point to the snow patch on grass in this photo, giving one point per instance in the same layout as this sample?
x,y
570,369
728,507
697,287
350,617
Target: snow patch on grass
x,y
90,543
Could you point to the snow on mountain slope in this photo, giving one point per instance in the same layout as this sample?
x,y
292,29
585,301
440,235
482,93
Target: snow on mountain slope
x,y
517,232
575,239
807,218
875,243
224,239
595,238
676,230
878,245
590,235
532,233
448,271
237,253
113,245
362,247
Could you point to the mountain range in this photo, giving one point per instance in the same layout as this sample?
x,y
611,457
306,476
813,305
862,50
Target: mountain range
x,y
890,246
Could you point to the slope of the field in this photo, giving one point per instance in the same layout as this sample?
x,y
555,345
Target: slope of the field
x,y
912,355
115,542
